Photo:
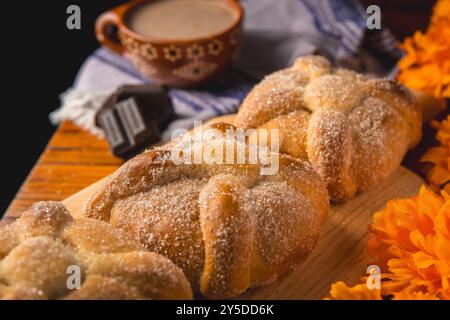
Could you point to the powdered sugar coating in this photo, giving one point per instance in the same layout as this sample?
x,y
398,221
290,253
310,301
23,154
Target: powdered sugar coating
x,y
226,225
340,143
40,249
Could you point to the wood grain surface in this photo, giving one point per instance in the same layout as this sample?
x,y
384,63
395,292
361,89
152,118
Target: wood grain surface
x,y
75,160
72,160
340,253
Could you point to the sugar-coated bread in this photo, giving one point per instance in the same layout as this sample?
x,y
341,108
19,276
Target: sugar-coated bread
x,y
354,131
40,251
227,226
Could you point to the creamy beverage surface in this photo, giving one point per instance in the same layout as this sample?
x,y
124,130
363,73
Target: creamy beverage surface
x,y
181,19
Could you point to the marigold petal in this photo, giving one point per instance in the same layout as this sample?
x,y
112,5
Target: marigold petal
x,y
423,260
436,155
418,295
340,291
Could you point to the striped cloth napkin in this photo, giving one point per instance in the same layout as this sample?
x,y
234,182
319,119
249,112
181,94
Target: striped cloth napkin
x,y
275,34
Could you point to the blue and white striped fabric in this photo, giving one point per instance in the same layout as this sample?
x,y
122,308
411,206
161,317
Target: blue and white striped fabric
x,y
276,32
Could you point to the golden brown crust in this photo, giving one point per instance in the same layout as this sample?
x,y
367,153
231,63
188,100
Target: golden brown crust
x,y
350,151
225,225
393,94
40,247
228,118
292,128
284,88
228,228
98,287
326,130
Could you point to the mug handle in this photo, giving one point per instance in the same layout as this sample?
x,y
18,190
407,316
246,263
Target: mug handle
x,y
104,25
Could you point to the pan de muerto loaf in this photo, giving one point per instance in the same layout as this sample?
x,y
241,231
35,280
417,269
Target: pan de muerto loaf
x,y
353,130
227,226
46,246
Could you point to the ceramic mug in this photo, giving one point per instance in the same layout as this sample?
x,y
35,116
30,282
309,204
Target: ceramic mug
x,y
178,63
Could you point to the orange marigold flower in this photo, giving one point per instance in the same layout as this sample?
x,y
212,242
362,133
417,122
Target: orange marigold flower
x,y
426,64
439,175
415,233
440,12
418,295
340,291
410,241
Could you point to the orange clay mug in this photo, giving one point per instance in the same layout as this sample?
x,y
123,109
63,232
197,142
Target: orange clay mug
x,y
173,62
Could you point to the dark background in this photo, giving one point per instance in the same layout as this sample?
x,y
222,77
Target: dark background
x,y
40,58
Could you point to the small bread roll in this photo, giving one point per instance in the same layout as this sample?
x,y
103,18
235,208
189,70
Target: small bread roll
x,y
41,250
354,131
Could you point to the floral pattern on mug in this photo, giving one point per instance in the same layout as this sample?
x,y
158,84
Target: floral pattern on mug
x,y
148,51
195,52
215,47
172,53
132,44
196,70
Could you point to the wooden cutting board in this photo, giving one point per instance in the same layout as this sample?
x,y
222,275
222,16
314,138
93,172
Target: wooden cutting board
x,y
340,253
